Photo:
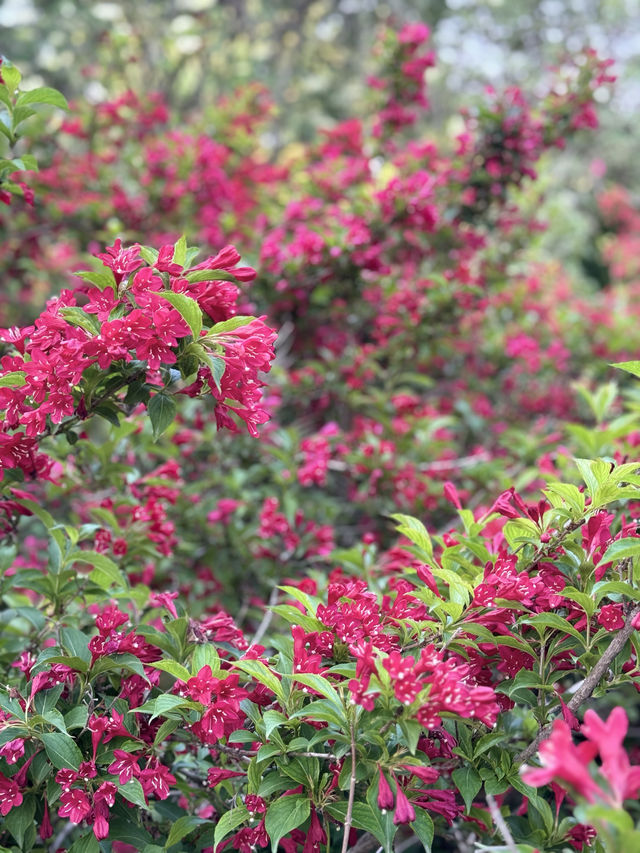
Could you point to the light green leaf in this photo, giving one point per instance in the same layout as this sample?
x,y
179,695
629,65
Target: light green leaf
x,y
180,251
43,95
13,379
188,309
632,367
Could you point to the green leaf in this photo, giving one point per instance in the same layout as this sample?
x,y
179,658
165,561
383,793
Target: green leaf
x,y
228,822
362,816
258,670
468,783
553,620
43,95
76,718
632,367
75,642
423,828
10,75
229,325
320,685
105,572
321,711
188,309
173,668
621,549
284,815
205,655
129,832
415,531
217,367
180,251
272,719
62,751
604,588
132,791
19,820
210,275
77,317
165,704
99,278
382,825
182,827
162,410
13,379
85,844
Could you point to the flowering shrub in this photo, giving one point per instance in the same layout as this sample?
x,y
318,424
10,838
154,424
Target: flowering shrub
x,y
379,683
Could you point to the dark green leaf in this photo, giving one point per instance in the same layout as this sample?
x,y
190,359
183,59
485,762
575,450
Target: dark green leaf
x,y
467,782
284,815
62,751
162,410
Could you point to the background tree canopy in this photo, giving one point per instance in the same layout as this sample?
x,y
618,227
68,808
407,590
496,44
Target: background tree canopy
x,y
311,55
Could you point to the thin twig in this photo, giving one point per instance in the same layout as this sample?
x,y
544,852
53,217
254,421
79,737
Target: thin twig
x,y
499,821
267,617
352,792
589,684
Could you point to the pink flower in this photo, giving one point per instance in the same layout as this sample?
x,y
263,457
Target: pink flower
x,y
13,750
75,805
623,778
386,799
404,812
10,795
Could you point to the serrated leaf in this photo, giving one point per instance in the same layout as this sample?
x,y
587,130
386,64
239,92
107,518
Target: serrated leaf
x,y
75,642
19,820
320,685
415,531
129,832
105,572
285,815
62,750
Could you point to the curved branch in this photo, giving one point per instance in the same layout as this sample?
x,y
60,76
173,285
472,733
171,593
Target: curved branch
x,y
590,682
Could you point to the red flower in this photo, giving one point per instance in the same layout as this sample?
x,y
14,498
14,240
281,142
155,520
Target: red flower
x,y
610,617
